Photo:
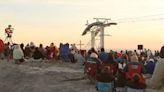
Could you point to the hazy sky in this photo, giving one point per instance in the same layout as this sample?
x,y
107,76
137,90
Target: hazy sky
x,y
46,21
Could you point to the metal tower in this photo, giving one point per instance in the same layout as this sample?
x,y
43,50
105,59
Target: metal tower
x,y
97,27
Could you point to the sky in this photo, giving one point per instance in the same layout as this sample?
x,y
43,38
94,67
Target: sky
x,y
46,21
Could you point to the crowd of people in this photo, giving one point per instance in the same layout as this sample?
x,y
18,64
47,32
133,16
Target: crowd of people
x,y
19,52
125,73
127,70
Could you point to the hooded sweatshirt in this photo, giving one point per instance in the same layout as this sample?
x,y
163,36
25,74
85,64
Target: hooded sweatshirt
x,y
18,53
150,66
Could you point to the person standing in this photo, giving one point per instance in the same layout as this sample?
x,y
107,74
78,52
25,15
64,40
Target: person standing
x,y
18,54
103,56
157,80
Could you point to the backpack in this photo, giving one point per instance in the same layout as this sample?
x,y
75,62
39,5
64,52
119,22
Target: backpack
x,y
135,83
105,73
133,70
134,77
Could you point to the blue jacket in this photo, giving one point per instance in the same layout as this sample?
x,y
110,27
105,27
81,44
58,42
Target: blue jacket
x,y
103,57
150,66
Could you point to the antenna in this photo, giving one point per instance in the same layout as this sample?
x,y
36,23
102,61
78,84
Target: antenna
x,y
87,23
102,19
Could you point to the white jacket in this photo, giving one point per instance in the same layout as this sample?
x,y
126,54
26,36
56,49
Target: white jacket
x,y
18,53
157,80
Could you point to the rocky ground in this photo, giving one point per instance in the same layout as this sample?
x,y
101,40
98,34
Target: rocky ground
x,y
44,77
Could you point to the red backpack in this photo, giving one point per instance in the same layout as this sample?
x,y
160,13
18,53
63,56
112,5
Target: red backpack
x,y
135,69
